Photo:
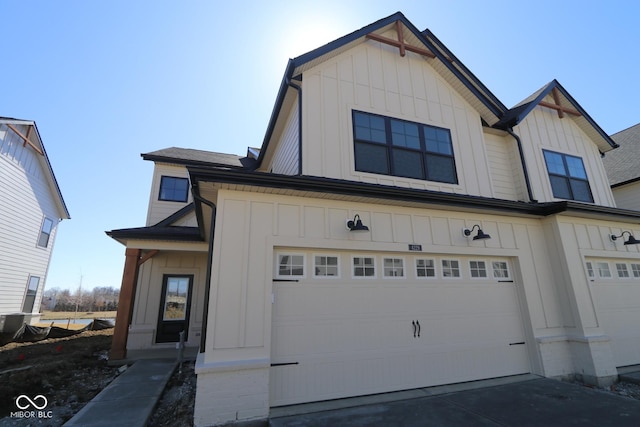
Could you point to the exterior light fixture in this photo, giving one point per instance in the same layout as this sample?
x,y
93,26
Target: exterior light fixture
x,y
356,224
630,241
480,236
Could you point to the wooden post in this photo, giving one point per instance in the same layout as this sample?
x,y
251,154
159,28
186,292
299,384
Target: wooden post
x,y
125,304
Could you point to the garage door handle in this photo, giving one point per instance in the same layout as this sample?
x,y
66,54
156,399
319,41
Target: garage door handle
x,y
414,328
418,324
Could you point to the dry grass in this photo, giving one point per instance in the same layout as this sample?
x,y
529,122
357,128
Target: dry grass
x,y
60,315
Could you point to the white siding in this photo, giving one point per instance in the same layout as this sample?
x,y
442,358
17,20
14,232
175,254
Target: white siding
x,y
628,196
543,129
374,78
160,209
26,200
285,160
506,173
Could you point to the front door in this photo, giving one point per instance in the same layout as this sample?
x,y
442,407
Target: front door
x,y
174,307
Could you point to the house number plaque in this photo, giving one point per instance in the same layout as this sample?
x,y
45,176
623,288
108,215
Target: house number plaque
x,y
413,247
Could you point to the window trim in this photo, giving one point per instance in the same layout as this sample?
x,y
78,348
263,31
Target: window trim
x,y
291,276
435,268
403,266
486,271
459,268
28,295
567,177
43,233
186,193
425,154
353,267
493,271
600,276
625,270
635,272
320,276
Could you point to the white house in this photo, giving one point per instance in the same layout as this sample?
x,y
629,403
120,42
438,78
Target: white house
x,y
31,209
623,168
398,228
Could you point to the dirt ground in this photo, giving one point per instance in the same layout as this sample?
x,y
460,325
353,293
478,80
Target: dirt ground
x,y
69,372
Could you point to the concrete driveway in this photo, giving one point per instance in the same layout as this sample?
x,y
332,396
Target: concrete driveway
x,y
531,402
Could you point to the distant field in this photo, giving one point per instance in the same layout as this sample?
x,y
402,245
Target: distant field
x,y
60,315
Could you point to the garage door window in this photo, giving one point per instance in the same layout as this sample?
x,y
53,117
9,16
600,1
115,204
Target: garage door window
x,y
364,267
427,268
325,266
450,268
478,269
290,265
622,270
393,267
603,269
635,269
500,270
590,271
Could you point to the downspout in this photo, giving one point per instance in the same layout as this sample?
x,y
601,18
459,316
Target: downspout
x,y
299,89
524,164
205,312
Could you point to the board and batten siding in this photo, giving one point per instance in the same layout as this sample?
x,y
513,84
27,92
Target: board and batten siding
x,y
374,78
160,209
506,173
627,196
26,201
541,130
286,157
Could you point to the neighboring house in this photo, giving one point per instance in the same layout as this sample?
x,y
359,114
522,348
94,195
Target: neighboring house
x,y
31,208
623,168
398,228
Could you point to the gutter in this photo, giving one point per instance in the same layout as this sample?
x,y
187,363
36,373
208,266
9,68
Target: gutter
x,y
523,162
207,288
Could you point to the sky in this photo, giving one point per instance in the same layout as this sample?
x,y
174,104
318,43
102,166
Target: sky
x,y
107,80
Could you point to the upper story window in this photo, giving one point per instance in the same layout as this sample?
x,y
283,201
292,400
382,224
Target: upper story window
x,y
45,233
395,147
568,177
174,189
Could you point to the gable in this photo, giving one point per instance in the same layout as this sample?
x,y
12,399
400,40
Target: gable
x,y
623,164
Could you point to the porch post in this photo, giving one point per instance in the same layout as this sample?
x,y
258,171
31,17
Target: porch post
x,y
125,304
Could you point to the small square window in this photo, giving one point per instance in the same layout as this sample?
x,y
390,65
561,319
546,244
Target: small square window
x,y
45,233
622,270
590,271
174,189
500,269
603,269
325,266
478,268
635,269
290,265
450,268
393,267
364,267
425,268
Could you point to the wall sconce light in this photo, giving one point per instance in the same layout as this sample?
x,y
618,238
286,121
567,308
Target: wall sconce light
x,y
356,224
480,236
630,241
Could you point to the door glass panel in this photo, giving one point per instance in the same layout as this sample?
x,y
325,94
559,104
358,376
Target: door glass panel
x,y
175,306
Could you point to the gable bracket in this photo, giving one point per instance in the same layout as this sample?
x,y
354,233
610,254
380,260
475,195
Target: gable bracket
x,y
400,43
25,139
559,108
147,256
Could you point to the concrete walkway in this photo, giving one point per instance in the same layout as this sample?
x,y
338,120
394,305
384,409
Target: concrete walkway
x,y
130,399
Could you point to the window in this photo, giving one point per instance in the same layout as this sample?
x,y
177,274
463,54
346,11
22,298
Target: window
x,y
590,271
635,269
290,265
622,270
567,176
45,233
393,267
174,189
478,268
400,148
364,267
30,297
500,269
603,269
450,268
325,266
425,268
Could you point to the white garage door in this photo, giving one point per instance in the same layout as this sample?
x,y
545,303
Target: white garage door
x,y
616,290
357,324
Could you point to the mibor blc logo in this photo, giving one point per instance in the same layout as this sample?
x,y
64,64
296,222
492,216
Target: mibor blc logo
x,y
31,407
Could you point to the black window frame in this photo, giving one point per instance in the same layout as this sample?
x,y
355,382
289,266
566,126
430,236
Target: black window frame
x,y
392,151
165,178
46,228
567,177
30,294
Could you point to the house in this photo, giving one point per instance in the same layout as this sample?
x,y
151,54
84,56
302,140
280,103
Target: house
x,y
399,227
31,209
623,168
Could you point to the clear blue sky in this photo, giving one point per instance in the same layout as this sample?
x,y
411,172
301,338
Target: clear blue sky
x,y
108,80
